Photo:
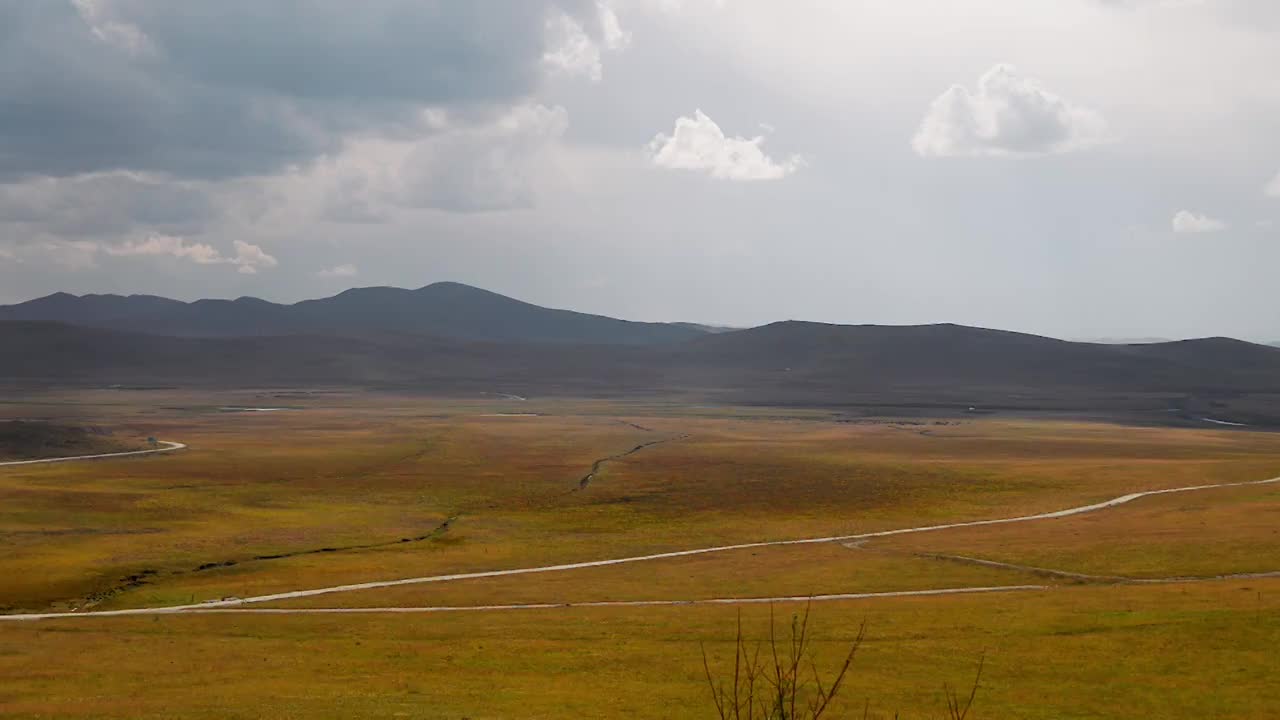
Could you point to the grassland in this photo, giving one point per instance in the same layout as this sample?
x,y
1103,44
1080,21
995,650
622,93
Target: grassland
x,y
1201,651
24,440
352,487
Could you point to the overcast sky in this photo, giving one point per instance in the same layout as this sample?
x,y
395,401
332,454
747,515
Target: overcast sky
x,y
1076,168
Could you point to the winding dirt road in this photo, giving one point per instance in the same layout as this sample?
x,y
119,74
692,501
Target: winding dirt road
x,y
229,605
168,447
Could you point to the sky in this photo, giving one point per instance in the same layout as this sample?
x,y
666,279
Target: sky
x,y
1074,168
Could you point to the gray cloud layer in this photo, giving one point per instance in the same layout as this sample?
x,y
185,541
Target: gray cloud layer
x,y
551,149
239,87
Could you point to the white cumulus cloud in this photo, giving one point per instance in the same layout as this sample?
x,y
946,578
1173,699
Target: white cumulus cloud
x,y
1186,221
698,143
156,244
1009,115
576,49
248,258
339,271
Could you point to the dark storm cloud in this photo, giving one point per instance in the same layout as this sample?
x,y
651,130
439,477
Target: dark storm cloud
x,y
238,87
427,52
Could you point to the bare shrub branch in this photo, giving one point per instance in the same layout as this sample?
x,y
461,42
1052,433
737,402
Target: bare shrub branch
x,y
786,684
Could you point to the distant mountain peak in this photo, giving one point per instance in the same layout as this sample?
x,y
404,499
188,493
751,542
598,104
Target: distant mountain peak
x,y
442,284
457,289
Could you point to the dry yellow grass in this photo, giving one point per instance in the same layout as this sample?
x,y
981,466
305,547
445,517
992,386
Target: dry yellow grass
x,y
1084,652
357,472
1210,532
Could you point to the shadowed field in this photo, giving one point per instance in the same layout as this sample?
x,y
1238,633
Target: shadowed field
x,y
348,487
24,440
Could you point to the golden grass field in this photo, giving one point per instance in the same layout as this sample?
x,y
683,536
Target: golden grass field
x,y
351,487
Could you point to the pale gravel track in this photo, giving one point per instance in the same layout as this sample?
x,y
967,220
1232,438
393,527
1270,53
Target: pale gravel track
x,y
296,594
168,447
216,609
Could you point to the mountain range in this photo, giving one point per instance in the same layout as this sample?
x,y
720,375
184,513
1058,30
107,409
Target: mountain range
x,y
443,309
449,337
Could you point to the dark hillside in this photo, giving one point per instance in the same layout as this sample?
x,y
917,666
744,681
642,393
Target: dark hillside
x,y
787,363
20,440
447,310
